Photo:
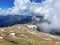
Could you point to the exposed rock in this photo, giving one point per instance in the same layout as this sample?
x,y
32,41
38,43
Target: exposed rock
x,y
32,26
2,29
12,34
1,37
47,39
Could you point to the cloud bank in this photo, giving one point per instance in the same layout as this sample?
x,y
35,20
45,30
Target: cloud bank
x,y
20,7
54,18
25,7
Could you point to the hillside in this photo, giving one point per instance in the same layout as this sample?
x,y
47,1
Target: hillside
x,y
22,35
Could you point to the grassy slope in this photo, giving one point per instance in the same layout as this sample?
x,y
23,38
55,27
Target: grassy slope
x,y
26,36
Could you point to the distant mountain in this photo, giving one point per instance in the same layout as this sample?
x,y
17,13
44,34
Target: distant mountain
x,y
10,20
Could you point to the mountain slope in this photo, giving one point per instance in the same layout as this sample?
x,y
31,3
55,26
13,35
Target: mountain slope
x,y
22,35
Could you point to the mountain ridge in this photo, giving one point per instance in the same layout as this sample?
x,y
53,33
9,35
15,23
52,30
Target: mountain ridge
x,y
24,35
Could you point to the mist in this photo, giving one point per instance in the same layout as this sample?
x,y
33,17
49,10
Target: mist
x,y
52,25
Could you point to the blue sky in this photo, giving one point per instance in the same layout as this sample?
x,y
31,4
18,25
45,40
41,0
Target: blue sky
x,y
6,3
37,1
10,3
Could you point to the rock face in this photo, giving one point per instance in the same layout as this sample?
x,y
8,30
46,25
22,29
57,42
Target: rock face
x,y
22,35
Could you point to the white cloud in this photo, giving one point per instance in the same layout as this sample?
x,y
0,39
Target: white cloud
x,y
53,11
25,7
19,7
